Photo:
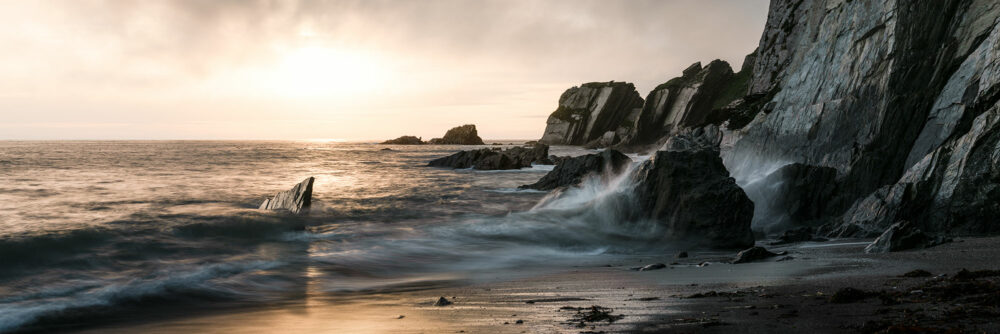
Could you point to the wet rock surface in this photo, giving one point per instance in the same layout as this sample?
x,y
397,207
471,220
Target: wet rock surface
x,y
903,236
572,171
496,159
297,200
691,194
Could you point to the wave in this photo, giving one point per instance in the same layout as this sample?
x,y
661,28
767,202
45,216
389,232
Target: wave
x,y
88,298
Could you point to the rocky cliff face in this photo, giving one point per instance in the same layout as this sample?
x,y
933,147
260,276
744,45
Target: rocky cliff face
x,y
588,112
894,100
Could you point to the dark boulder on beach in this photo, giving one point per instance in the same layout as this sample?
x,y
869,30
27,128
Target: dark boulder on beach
x,y
903,236
296,200
496,159
692,195
571,171
461,135
753,254
404,140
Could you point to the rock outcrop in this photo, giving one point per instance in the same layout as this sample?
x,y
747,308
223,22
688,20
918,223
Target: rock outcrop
x,y
404,140
296,200
689,101
903,236
495,159
691,194
461,135
753,254
571,171
588,112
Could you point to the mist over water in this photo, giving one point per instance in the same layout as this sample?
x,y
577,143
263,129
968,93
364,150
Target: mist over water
x,y
93,227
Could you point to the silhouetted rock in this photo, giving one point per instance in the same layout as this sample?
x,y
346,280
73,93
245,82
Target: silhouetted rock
x,y
296,200
495,159
462,135
753,254
903,236
691,194
404,140
571,171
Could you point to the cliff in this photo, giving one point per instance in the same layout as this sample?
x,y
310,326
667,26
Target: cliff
x,y
897,99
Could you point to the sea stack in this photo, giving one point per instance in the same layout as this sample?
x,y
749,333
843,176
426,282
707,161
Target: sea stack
x,y
296,200
461,135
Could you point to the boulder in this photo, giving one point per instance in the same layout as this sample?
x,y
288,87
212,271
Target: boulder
x,y
462,135
296,200
404,140
753,254
691,194
903,236
495,159
590,111
571,171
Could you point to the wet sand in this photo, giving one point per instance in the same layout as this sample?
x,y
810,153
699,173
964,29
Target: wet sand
x,y
772,296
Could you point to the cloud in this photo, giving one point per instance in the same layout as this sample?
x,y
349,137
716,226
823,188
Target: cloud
x,y
193,59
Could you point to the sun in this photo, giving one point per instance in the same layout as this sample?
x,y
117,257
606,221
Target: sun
x,y
329,72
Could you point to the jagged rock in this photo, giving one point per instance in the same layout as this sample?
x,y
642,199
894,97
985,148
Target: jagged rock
x,y
692,139
687,101
571,171
691,194
495,159
405,140
296,200
794,195
442,302
753,254
821,108
587,112
461,135
903,236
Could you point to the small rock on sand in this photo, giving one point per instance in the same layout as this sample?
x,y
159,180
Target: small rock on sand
x,y
442,302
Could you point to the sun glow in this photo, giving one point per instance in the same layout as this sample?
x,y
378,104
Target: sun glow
x,y
319,72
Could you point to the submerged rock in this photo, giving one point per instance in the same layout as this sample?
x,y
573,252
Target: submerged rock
x,y
296,200
691,194
495,159
405,140
903,236
753,254
571,171
461,135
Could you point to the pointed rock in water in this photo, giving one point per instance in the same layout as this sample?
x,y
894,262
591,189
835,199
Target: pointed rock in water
x,y
442,302
296,200
571,171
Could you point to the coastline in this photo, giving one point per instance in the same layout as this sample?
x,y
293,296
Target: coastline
x,y
772,296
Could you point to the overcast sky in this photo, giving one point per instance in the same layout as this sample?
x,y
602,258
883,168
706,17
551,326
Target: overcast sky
x,y
355,70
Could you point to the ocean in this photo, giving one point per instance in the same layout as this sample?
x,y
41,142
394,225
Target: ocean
x,y
93,231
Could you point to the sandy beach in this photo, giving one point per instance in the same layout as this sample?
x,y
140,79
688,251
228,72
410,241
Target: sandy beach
x,y
792,295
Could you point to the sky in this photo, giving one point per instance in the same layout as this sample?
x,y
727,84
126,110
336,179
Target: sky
x,y
346,70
